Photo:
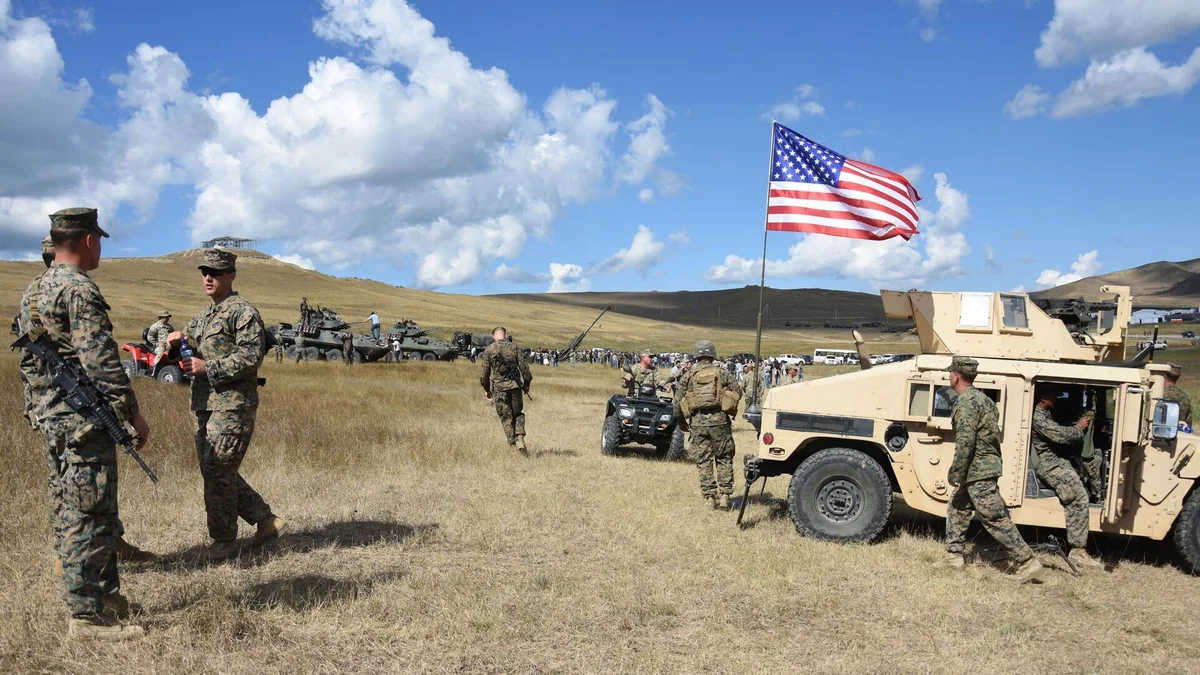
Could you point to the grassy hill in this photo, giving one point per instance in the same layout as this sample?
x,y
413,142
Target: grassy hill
x,y
138,288
1158,284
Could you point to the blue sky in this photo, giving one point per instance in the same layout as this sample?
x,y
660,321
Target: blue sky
x,y
613,146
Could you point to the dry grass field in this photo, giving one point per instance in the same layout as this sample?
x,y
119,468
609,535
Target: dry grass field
x,y
418,542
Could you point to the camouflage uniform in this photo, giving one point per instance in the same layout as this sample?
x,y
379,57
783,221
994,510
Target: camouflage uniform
x,y
82,490
1050,443
752,384
642,375
501,376
156,335
1172,392
347,348
976,466
228,336
710,441
788,379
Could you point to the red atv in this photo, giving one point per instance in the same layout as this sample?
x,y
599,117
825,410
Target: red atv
x,y
143,365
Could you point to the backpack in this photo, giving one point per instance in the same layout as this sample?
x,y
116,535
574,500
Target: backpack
x,y
707,393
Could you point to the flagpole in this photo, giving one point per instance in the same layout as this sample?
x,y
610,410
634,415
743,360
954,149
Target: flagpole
x,y
762,281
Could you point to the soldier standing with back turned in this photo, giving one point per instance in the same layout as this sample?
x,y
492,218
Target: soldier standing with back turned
x,y
228,341
977,464
505,377
711,440
66,304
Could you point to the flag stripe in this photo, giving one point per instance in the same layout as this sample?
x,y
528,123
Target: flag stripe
x,y
859,198
900,199
850,233
868,217
900,182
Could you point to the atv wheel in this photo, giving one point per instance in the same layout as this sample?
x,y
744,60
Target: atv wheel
x,y
170,375
610,438
429,356
676,451
130,367
840,494
1187,533
333,355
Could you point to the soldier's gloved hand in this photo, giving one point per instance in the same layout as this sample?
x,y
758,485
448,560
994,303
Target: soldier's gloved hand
x,y
142,429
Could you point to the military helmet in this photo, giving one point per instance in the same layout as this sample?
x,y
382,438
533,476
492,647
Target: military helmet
x,y
705,348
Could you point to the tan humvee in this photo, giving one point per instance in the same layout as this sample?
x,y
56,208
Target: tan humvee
x,y
849,442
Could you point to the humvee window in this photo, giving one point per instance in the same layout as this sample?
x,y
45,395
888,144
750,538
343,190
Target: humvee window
x,y
1014,311
918,400
975,310
943,399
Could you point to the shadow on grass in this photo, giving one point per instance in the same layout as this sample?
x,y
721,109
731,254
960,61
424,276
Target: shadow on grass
x,y
646,452
762,507
310,591
347,534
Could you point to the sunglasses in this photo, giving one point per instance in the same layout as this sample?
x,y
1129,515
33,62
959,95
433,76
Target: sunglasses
x,y
216,274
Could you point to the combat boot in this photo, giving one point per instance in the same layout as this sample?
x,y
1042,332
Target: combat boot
x,y
101,628
119,606
127,552
1080,558
268,529
1030,570
521,447
710,501
954,561
723,503
221,551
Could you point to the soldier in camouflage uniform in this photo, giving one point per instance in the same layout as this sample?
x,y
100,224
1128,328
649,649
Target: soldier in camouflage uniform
x,y
711,438
505,377
792,376
751,384
1052,446
1172,392
156,335
228,341
82,490
347,348
644,372
976,466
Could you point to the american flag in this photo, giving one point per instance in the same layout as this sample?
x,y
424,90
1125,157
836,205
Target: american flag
x,y
814,189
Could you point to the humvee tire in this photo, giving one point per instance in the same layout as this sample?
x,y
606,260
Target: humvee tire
x,y
839,494
610,435
170,375
675,451
1187,533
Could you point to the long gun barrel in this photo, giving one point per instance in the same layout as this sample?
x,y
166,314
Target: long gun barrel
x,y
82,396
579,338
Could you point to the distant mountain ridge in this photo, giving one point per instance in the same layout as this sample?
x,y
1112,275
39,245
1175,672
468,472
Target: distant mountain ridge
x,y
1164,284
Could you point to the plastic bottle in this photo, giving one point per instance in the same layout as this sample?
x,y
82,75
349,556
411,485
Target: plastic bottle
x,y
185,350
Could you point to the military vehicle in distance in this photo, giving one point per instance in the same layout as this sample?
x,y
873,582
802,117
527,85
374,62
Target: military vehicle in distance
x,y
416,345
319,334
850,441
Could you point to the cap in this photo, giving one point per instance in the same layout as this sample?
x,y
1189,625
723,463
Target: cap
x,y
76,219
218,259
792,366
963,364
647,352
1175,371
47,246
164,314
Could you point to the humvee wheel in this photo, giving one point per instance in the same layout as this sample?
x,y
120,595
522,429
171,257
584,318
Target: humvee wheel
x,y
1187,533
170,375
611,436
675,451
840,494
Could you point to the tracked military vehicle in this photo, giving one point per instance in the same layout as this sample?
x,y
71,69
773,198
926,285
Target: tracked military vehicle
x,y
416,345
849,442
319,335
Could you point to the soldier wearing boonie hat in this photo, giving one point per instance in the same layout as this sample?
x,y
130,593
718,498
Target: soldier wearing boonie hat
x,y
1173,392
156,334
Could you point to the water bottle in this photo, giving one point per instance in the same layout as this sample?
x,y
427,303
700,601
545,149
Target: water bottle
x,y
185,350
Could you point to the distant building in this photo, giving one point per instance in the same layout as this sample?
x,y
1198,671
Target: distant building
x,y
1149,316
229,242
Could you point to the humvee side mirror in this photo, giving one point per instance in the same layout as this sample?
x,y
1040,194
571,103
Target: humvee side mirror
x,y
1165,424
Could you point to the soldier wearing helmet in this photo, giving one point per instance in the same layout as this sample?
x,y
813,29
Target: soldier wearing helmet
x,y
701,403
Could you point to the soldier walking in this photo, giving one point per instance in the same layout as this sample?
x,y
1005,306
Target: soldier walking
x,y
505,377
1052,445
701,390
67,305
227,338
973,473
156,335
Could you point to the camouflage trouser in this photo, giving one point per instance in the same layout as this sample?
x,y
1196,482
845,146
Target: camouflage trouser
x,y
983,497
510,406
1091,468
82,496
222,438
347,353
709,446
299,349
278,354
1069,488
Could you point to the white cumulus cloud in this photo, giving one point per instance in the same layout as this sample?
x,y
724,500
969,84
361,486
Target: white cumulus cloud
x,y
647,142
1086,265
643,253
796,107
645,195
1030,101
297,260
567,278
1125,79
680,237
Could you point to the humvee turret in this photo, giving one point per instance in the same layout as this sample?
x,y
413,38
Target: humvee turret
x,y
851,441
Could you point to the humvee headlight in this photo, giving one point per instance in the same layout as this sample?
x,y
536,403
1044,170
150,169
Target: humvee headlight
x,y
768,438
625,412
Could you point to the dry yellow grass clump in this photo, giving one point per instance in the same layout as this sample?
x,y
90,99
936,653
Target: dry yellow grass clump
x,y
418,542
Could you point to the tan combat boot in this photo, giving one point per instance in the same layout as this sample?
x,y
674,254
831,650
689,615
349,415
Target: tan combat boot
x,y
268,529
1030,570
102,628
521,447
58,571
710,501
1082,560
954,561
221,551
723,503
127,552
120,606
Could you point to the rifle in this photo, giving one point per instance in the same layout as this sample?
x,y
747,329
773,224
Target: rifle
x,y
81,395
574,344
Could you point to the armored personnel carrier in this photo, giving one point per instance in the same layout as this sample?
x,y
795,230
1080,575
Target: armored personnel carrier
x,y
416,345
851,441
319,334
